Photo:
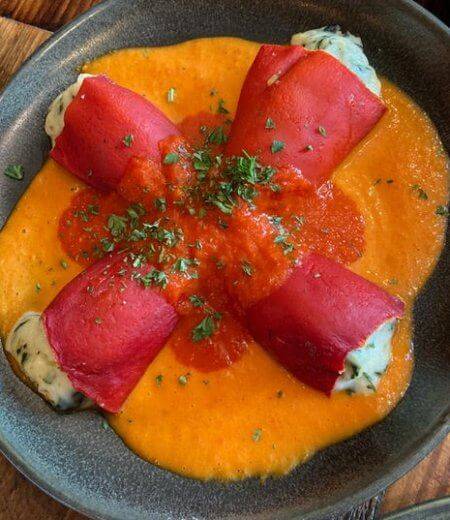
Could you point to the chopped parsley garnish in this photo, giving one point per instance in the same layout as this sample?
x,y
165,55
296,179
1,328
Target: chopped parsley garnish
x,y
116,225
128,140
442,211
217,136
171,93
277,146
370,384
64,264
238,179
159,379
206,327
257,434
247,268
154,277
160,204
182,264
421,193
299,221
107,245
322,131
14,171
270,124
197,301
93,209
171,158
38,287
222,223
309,148
221,107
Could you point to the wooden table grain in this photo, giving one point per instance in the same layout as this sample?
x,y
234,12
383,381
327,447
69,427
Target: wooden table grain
x,y
24,25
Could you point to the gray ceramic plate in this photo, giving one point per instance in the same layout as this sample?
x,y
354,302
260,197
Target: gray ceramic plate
x,y
72,457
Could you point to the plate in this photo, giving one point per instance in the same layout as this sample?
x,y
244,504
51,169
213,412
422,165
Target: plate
x,y
72,457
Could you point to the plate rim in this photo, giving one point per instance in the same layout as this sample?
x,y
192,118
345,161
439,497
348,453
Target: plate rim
x,y
392,473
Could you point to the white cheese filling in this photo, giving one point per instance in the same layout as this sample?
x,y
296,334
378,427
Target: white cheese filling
x,y
365,366
54,123
348,49
28,344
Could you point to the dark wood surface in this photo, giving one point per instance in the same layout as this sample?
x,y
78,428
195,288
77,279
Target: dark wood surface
x,y
21,500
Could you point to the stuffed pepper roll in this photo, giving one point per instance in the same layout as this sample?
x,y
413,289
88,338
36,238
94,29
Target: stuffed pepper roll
x,y
95,339
96,126
329,327
302,109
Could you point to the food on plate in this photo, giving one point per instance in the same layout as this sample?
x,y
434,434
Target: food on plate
x,y
96,338
345,47
330,327
96,126
223,246
302,109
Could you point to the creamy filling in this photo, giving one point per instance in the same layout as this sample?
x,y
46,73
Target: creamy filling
x,y
348,49
54,123
28,345
365,366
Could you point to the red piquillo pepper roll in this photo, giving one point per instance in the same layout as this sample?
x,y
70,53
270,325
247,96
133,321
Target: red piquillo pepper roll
x,y
329,327
302,109
96,339
97,125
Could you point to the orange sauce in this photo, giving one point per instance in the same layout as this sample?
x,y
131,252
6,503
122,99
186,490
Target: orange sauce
x,y
239,413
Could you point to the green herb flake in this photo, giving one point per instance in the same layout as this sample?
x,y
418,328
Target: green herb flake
x,y
270,124
105,425
154,277
420,192
159,379
128,140
116,225
309,148
205,328
98,320
257,435
442,211
221,107
171,158
247,268
14,171
64,264
277,146
171,93
197,301
38,287
160,204
322,131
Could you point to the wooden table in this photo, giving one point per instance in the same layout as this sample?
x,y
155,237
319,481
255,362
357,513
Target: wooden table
x,y
29,25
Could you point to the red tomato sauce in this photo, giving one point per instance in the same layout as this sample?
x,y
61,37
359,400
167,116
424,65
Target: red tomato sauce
x,y
216,263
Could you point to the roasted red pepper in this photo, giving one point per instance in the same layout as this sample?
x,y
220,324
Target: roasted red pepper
x,y
302,109
104,126
105,328
317,316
